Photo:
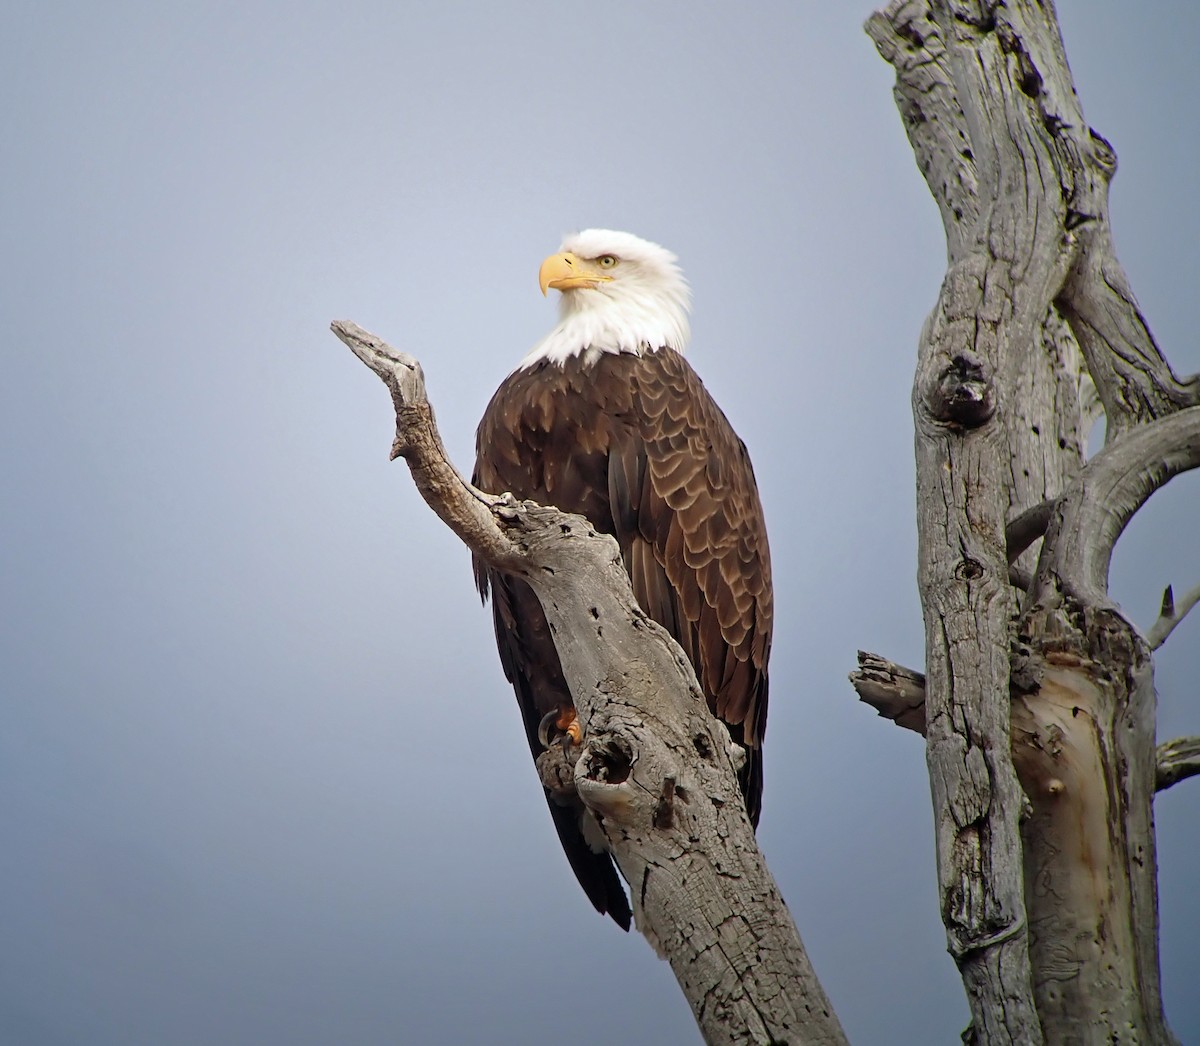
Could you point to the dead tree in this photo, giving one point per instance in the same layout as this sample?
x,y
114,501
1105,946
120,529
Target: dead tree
x,y
656,768
1037,701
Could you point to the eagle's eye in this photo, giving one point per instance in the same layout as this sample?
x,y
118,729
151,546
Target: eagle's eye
x,y
606,261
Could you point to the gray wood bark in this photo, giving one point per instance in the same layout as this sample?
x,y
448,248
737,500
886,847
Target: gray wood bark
x,y
1039,703
898,693
656,768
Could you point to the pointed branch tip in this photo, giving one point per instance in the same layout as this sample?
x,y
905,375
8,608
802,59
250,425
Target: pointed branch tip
x,y
1171,614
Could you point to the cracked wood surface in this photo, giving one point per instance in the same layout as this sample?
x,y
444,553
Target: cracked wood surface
x,y
1034,312
656,768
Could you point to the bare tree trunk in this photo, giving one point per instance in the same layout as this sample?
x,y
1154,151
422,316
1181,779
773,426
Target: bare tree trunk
x,y
656,768
1039,706
1037,701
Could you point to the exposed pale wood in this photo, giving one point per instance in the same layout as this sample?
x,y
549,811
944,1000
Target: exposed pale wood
x,y
1091,774
898,693
656,768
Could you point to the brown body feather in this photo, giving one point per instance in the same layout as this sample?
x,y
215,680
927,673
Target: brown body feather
x,y
637,445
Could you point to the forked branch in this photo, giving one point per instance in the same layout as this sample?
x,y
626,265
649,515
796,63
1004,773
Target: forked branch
x,y
1091,515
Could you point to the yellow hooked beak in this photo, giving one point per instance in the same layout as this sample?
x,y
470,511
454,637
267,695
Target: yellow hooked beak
x,y
566,271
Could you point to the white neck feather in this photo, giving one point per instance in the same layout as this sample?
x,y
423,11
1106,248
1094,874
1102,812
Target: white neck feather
x,y
643,310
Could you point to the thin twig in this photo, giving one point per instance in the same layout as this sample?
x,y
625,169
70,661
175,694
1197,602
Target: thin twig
x,y
1170,616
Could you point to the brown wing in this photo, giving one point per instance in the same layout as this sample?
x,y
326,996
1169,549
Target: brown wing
x,y
531,665
687,515
638,446
519,432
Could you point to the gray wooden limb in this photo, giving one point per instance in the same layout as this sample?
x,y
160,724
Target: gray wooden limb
x,y
1177,760
895,692
656,769
910,40
464,509
1030,525
898,693
1171,615
1089,518
982,357
1132,377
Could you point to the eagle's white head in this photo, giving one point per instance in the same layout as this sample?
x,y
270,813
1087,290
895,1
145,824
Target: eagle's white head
x,y
619,294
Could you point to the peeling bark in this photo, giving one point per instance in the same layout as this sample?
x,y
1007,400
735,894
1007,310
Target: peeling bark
x,y
656,768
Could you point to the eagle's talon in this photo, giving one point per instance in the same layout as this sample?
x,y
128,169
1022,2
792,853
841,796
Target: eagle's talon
x,y
574,731
561,726
572,737
548,720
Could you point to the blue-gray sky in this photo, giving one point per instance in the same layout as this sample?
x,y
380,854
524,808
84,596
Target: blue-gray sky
x,y
261,779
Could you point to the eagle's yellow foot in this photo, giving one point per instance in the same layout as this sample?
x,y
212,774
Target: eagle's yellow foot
x,y
561,725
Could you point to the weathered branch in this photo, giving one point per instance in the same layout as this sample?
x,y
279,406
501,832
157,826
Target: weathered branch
x,y
1176,760
910,39
971,72
1132,377
898,693
895,692
470,513
1171,614
656,768
1090,517
1030,525
1019,534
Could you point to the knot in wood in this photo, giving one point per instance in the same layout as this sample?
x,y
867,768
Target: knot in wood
x,y
964,395
1102,154
608,761
507,508
602,780
968,569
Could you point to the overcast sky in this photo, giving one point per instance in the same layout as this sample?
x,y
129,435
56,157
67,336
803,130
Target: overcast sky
x,y
261,779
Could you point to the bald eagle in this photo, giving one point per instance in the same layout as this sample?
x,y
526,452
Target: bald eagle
x,y
607,419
